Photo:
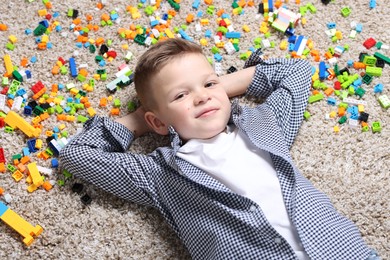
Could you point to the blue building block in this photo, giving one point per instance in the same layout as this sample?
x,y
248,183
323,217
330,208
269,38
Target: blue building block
x,y
322,72
298,43
199,14
231,35
184,35
290,31
154,23
372,4
21,92
331,101
196,4
291,47
292,39
358,82
25,151
270,5
359,28
27,110
44,23
208,34
28,74
331,25
33,59
54,163
31,145
3,208
378,88
217,57
72,66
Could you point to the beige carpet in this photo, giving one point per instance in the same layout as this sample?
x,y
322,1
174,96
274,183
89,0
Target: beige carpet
x,y
352,167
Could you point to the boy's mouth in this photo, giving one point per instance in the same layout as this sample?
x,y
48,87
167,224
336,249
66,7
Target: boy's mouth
x,y
206,112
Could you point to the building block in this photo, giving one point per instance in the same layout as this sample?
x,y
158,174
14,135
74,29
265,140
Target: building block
x,y
16,121
72,67
34,174
384,101
376,127
374,71
9,68
2,157
19,224
369,43
382,57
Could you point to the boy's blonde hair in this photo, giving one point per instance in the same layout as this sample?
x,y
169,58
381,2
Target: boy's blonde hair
x,y
153,60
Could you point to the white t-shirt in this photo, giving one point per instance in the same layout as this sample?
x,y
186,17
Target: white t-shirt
x,y
231,159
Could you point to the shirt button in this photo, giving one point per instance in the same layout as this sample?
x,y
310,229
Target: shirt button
x,y
253,208
278,240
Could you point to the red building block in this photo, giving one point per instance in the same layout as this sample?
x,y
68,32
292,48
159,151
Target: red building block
x,y
369,43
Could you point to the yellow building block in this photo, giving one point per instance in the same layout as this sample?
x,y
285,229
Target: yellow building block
x,y
17,175
20,225
169,33
12,38
246,28
283,45
9,68
15,121
34,173
91,111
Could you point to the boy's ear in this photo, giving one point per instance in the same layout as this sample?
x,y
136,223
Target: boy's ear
x,y
155,123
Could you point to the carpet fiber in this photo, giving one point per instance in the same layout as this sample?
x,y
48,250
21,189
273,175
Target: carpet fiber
x,y
351,166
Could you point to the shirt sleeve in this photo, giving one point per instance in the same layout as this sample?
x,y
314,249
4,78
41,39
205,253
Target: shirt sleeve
x,y
285,83
99,155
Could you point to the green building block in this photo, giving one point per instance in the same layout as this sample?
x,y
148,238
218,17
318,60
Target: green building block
x,y
81,119
8,129
315,98
384,101
345,11
382,57
376,127
306,115
369,60
17,76
10,46
117,102
365,129
342,120
367,79
360,92
311,8
374,71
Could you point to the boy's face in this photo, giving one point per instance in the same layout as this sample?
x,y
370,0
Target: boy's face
x,y
190,98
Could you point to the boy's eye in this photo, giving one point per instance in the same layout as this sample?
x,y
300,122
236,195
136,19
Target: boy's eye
x,y
181,95
209,84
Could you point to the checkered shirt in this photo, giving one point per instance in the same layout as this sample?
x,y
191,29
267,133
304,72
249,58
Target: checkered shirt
x,y
212,221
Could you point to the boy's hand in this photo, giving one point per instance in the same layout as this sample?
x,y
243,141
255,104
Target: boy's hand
x,y
135,122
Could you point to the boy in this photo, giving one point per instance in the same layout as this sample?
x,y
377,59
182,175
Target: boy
x,y
227,184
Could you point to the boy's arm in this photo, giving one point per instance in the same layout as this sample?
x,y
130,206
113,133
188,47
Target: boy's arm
x,y
236,84
99,155
285,83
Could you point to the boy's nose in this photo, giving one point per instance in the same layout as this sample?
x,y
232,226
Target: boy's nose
x,y
201,97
